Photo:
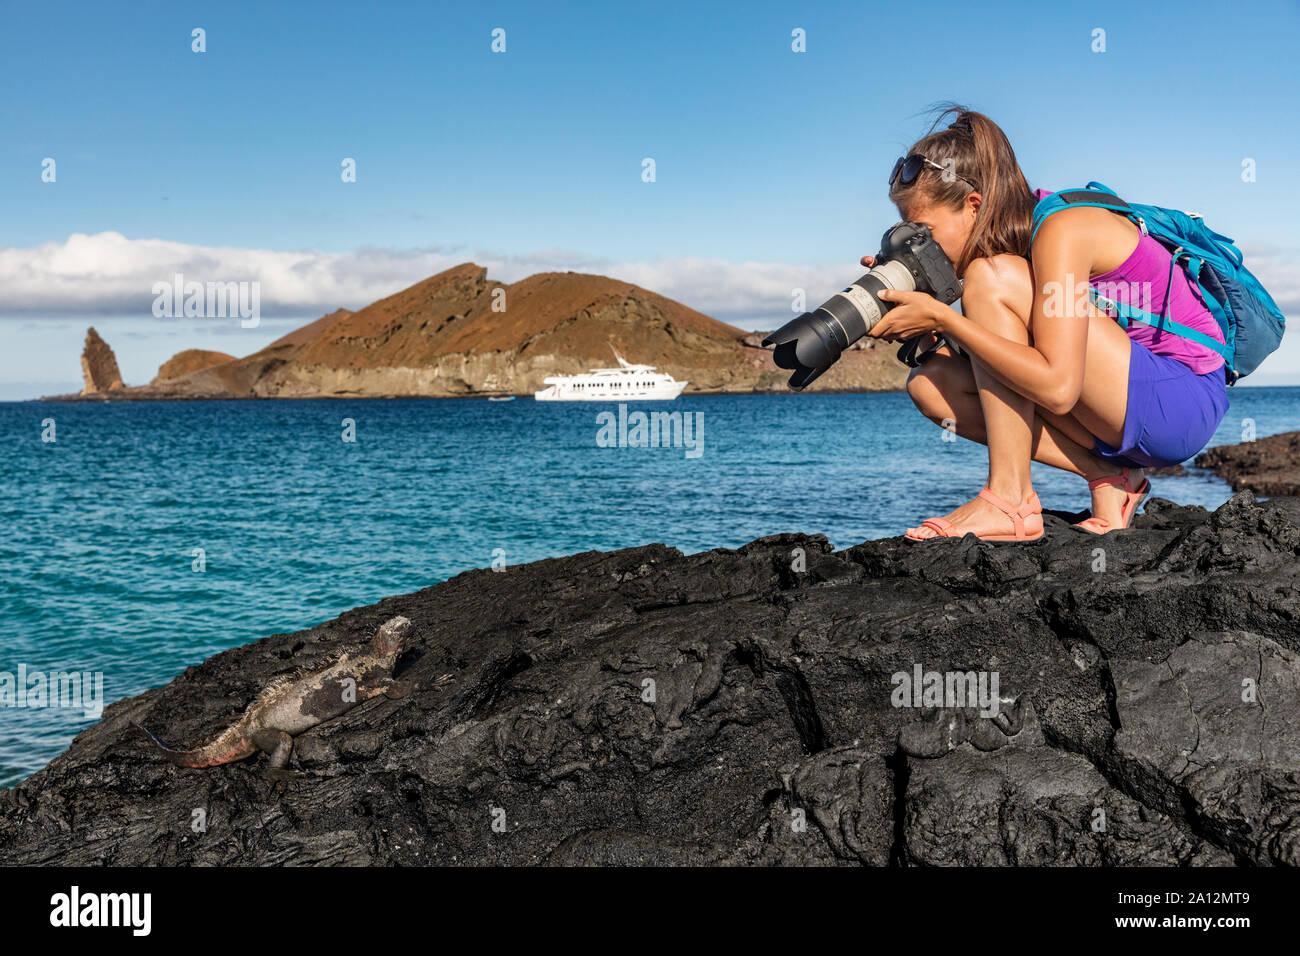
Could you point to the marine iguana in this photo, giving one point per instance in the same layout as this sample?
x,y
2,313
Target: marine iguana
x,y
295,703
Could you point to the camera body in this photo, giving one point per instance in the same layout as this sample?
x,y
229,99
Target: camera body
x,y
909,260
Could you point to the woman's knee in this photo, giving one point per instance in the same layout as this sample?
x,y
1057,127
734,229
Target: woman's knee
x,y
921,387
933,386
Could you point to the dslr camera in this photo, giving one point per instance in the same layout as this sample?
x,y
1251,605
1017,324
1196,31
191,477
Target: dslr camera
x,y
909,260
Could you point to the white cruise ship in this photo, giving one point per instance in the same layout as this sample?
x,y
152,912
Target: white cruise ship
x,y
626,383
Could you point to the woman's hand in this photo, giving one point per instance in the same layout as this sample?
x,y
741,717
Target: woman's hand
x,y
914,313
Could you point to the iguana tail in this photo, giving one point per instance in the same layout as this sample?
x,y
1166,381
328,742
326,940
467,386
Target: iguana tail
x,y
230,746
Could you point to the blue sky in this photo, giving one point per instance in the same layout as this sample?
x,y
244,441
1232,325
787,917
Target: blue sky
x,y
770,164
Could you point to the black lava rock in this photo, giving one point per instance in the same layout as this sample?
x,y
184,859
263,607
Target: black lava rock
x,y
741,707
1266,466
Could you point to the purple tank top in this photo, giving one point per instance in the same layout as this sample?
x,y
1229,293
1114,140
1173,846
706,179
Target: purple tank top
x,y
1142,281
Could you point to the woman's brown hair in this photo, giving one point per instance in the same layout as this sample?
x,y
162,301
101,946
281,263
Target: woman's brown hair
x,y
975,149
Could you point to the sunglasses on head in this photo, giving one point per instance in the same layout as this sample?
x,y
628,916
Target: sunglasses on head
x,y
907,168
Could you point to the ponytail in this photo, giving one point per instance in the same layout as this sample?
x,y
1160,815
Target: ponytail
x,y
975,149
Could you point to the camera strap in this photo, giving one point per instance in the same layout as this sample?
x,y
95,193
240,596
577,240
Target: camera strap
x,y
911,354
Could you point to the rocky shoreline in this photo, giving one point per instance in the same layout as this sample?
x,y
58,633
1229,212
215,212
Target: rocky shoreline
x,y
741,707
1267,466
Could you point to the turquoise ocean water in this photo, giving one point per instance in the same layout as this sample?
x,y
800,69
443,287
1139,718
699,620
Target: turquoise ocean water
x,y
100,526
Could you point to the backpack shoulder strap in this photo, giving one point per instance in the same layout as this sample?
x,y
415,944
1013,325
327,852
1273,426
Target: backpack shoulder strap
x,y
1094,194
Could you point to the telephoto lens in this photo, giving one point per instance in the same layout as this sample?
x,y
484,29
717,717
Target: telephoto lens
x,y
909,260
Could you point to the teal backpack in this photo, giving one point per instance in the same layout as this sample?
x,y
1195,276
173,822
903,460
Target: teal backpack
x,y
1250,320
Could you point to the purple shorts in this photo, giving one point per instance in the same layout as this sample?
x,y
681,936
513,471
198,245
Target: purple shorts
x,y
1172,411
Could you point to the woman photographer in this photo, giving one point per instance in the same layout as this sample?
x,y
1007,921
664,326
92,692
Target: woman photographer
x,y
1040,373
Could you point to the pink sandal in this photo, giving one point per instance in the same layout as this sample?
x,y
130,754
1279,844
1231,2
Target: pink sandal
x,y
945,529
1124,478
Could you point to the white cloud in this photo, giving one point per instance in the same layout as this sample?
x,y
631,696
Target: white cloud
x,y
1278,270
109,274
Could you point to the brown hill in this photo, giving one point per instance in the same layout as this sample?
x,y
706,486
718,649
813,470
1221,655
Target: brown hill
x,y
190,360
304,334
461,333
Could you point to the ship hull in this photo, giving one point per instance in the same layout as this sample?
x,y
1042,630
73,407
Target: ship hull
x,y
659,393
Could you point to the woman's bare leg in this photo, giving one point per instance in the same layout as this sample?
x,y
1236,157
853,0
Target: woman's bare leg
x,y
1015,429
944,391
